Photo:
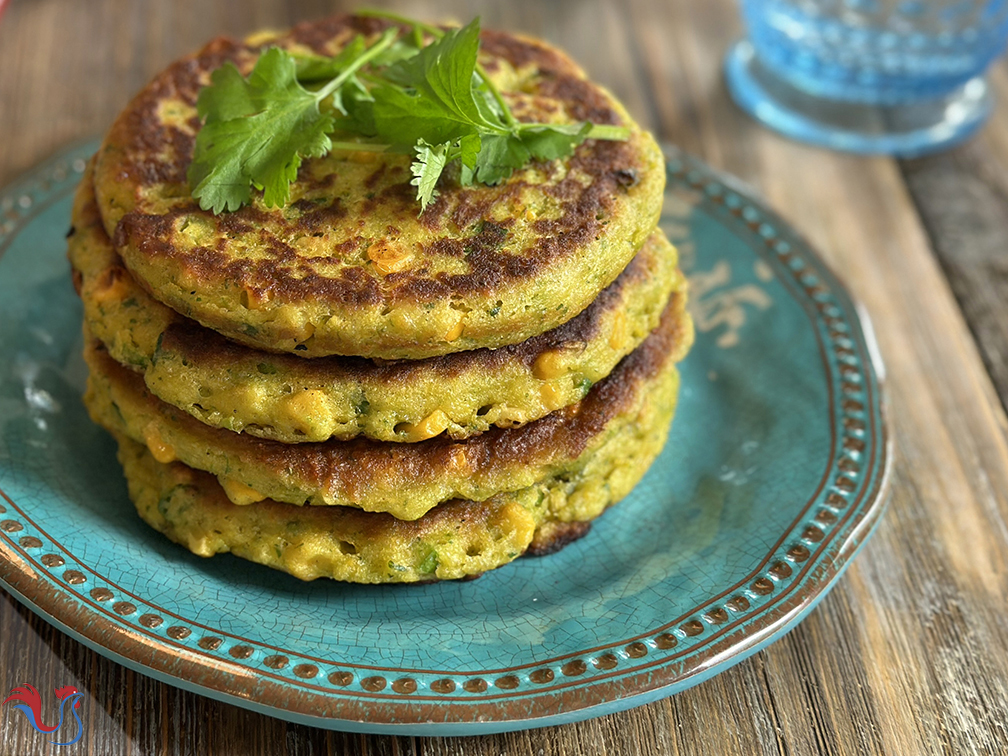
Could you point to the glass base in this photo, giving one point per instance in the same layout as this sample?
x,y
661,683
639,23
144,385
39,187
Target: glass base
x,y
907,130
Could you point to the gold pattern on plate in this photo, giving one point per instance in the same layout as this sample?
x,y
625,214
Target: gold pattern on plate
x,y
713,306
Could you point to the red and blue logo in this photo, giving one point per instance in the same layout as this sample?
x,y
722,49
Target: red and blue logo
x,y
30,702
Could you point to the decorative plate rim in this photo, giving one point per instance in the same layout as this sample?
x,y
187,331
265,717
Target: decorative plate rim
x,y
796,573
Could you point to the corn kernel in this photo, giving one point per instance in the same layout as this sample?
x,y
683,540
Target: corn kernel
x,y
618,337
549,365
552,396
458,461
456,330
402,319
388,257
509,417
162,451
432,425
306,409
305,332
289,325
517,522
239,493
252,299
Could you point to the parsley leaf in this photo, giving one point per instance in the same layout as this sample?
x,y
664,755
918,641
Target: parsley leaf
x,y
427,167
468,153
429,163
429,97
553,143
498,158
402,120
256,133
442,75
434,102
318,68
500,155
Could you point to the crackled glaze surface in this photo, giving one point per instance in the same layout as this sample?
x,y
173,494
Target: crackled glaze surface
x,y
772,479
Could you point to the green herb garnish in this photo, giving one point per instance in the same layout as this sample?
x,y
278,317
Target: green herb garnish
x,y
431,101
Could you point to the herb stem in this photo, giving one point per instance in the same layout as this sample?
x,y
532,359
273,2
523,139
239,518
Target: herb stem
x,y
361,146
608,133
509,118
602,131
383,43
395,17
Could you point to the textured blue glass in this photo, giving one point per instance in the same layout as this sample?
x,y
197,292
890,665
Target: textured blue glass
x,y
882,52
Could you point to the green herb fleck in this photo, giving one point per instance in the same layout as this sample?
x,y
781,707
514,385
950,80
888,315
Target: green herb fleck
x,y
430,564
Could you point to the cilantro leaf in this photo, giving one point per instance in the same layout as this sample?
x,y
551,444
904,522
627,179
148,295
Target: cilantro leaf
x,y
318,68
553,143
358,111
227,96
398,50
443,68
468,153
498,158
492,106
434,102
402,119
430,161
430,95
256,134
427,168
315,69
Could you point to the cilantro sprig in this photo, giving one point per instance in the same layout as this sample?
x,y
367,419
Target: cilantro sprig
x,y
433,101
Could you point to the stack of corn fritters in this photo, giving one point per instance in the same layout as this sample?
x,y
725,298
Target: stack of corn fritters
x,y
345,387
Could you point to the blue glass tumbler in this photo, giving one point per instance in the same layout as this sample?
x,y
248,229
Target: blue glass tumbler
x,y
897,77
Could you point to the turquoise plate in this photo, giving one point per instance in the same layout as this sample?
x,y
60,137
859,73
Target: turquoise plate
x,y
772,479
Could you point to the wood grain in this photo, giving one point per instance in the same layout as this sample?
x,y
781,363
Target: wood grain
x,y
909,654
962,197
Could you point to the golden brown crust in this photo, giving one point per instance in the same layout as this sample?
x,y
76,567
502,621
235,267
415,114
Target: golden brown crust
x,y
404,479
474,261
293,400
552,536
201,345
455,540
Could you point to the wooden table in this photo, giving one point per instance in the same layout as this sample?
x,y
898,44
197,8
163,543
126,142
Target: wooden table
x,y
909,653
